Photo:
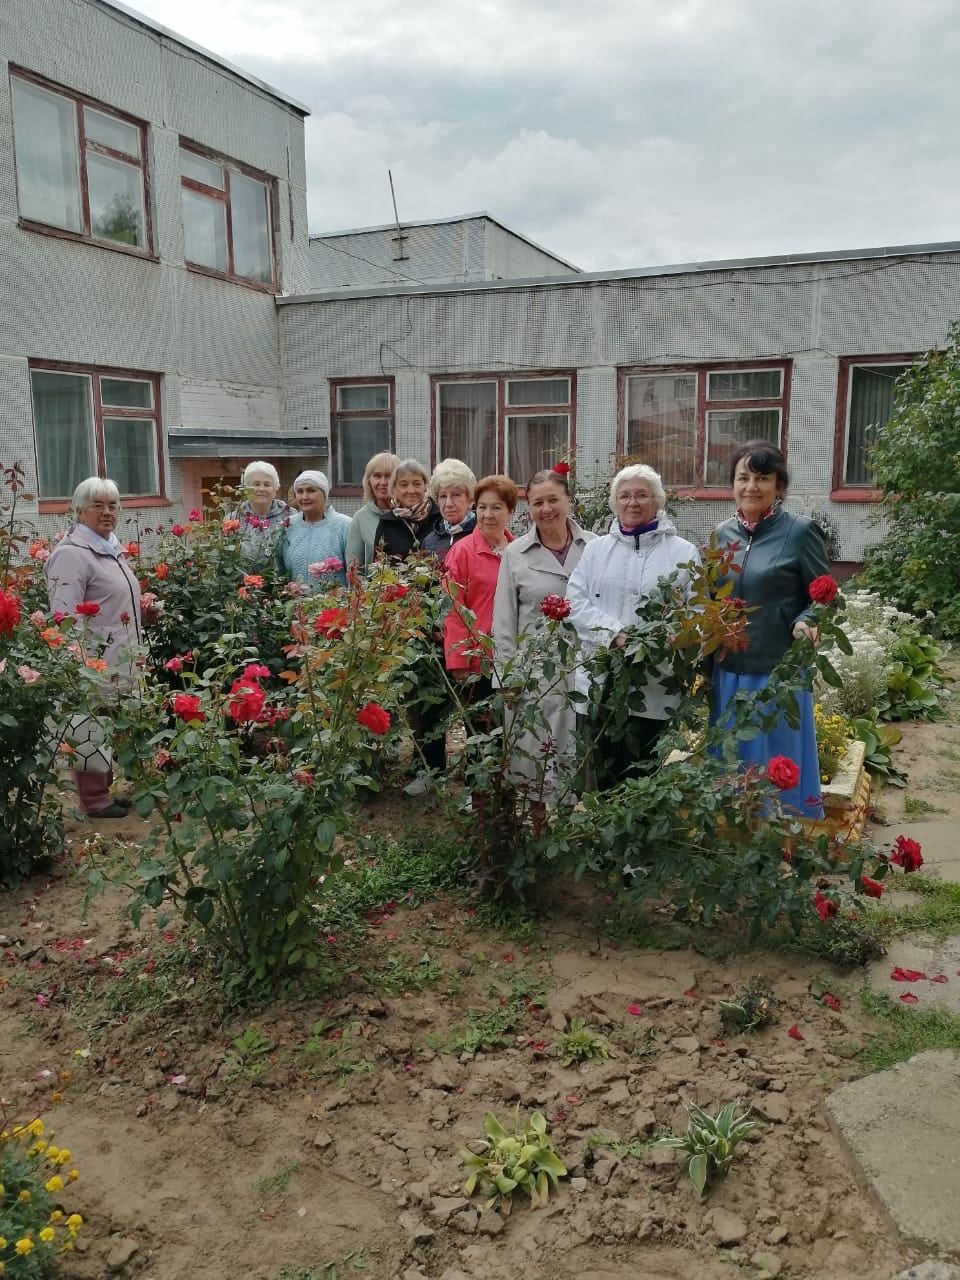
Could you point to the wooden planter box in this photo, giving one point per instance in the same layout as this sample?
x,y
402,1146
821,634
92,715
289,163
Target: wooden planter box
x,y
846,798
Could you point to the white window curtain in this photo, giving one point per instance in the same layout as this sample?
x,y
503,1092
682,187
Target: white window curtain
x,y
468,424
63,418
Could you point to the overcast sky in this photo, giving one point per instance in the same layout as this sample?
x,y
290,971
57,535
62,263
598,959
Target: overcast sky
x,y
618,133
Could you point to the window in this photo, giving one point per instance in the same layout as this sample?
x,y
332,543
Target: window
x,y
227,218
686,423
96,422
865,398
81,167
512,425
362,417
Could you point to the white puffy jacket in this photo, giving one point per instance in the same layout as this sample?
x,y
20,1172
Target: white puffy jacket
x,y
615,575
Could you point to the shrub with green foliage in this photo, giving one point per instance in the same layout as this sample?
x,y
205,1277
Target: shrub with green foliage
x,y
915,458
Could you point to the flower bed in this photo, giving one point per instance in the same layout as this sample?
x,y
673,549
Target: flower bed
x,y
845,798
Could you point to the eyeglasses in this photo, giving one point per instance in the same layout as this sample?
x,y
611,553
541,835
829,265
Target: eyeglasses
x,y
104,506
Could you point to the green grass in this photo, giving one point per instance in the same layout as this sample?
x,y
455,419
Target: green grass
x,y
275,1184
396,975
917,807
937,910
905,1032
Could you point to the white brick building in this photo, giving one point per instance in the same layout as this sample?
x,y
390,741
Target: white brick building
x,y
164,316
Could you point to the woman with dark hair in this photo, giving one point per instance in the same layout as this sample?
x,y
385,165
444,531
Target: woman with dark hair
x,y
777,556
534,566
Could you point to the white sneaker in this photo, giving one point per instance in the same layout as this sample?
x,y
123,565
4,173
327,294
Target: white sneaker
x,y
418,787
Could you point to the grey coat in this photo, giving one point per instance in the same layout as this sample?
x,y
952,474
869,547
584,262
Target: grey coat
x,y
528,572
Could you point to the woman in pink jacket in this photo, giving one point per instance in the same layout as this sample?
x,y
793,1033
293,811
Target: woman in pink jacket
x,y
471,570
88,568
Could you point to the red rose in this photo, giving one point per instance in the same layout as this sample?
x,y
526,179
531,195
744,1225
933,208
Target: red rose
x,y
555,607
304,777
132,549
826,908
872,888
738,602
330,623
246,702
186,706
906,853
177,530
87,609
9,612
373,717
196,515
823,590
783,772
255,671
396,591
562,468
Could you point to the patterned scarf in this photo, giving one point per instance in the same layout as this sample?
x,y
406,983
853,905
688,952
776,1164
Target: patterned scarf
x,y
416,514
751,525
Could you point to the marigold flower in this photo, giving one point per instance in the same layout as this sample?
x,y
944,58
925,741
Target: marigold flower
x,y
57,1215
87,609
24,1246
823,590
783,772
906,854
187,706
24,1196
74,1222
9,612
64,1156
161,570
54,1184
555,607
374,717
35,1128
47,1234
73,1175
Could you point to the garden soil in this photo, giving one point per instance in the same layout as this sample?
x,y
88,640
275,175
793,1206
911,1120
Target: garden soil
x,y
325,1144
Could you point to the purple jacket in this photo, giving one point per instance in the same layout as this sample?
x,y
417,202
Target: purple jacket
x,y
76,571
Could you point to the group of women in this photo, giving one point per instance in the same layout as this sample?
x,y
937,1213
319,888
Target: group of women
x,y
498,583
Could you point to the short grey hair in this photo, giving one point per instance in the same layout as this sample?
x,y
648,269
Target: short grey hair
x,y
451,473
638,471
260,469
408,467
94,489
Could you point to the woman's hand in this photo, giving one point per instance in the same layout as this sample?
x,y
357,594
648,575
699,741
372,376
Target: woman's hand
x,y
802,628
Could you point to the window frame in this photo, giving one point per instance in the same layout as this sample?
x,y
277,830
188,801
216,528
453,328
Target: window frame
x,y
223,196
85,145
504,410
96,373
356,490
699,488
841,491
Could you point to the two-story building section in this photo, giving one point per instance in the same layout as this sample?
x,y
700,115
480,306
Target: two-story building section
x,y
152,206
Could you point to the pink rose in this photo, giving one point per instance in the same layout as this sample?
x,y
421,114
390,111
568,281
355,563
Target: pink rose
x,y
27,674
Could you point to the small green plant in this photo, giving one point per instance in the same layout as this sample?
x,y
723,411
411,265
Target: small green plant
x,y
333,1046
248,1057
710,1141
753,1008
852,937
579,1044
635,1149
917,807
275,1184
396,975
484,1030
504,1162
879,740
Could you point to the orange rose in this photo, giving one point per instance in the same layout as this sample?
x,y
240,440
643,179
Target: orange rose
x,y
52,637
96,664
161,570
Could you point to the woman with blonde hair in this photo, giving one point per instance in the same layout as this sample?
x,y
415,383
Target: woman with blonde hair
x,y
362,537
452,487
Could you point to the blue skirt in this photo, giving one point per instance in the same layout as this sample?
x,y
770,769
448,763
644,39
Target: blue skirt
x,y
800,745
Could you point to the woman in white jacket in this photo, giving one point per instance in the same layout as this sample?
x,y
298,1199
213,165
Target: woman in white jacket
x,y
615,575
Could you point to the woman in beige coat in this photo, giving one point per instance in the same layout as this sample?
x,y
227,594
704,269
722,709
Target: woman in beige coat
x,y
533,567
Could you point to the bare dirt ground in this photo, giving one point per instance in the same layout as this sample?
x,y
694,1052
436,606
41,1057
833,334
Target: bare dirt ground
x,y
326,1144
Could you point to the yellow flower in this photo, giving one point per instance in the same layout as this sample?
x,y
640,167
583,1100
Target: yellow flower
x,y
3,1190
24,1246
56,1215
3,1267
73,1175
53,1184
3,1242
52,1153
74,1222
56,1096
36,1128
47,1234
63,1156
24,1196
38,1148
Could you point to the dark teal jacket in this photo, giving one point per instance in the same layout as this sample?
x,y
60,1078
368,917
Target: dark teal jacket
x,y
774,567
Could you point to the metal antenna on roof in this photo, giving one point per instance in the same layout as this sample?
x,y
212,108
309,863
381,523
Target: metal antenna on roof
x,y
399,239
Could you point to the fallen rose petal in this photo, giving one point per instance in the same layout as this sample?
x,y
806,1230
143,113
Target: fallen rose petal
x,y
795,1033
718,1043
909,998
558,1116
635,1009
907,975
830,1001
43,1001
179,1079
690,993
508,958
573,1099
940,977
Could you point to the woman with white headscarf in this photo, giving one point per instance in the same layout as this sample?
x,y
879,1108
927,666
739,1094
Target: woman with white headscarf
x,y
316,535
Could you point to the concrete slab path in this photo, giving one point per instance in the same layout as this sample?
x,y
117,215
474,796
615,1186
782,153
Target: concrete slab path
x,y
902,1129
920,954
